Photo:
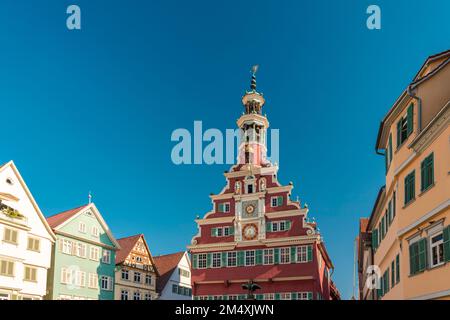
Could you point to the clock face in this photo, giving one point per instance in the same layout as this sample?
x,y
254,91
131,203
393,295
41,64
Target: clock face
x,y
250,209
250,232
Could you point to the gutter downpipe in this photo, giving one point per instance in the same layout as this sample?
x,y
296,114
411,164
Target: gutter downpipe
x,y
419,106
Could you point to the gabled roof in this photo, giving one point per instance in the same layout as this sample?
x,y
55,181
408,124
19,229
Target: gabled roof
x,y
30,196
61,219
57,219
165,265
443,58
127,244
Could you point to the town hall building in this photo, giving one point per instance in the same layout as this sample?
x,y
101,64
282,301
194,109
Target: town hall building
x,y
255,232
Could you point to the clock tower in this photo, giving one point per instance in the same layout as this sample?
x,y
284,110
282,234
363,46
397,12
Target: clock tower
x,y
254,231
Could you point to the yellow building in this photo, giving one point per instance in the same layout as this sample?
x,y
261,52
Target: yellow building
x,y
410,222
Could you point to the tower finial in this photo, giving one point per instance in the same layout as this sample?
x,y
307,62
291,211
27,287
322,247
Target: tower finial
x,y
253,83
90,197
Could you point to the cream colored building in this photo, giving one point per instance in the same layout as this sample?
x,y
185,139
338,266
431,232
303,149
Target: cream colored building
x,y
25,240
136,273
410,222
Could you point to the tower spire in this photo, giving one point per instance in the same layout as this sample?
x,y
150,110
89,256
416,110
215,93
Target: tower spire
x,y
253,82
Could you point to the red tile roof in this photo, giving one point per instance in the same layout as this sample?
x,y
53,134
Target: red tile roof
x,y
59,218
126,245
363,222
165,265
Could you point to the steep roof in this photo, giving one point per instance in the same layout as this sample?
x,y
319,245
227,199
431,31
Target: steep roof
x,y
165,265
363,222
61,217
126,244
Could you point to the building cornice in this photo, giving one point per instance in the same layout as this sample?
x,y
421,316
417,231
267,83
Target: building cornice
x,y
227,219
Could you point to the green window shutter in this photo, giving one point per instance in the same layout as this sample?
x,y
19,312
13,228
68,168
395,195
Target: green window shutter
x,y
194,261
423,175
447,243
413,255
294,296
277,296
394,204
410,119
310,296
208,260
422,254
390,148
213,232
268,226
276,255
288,224
221,207
280,201
242,297
210,297
259,297
231,231
224,297
397,268
387,280
258,256
393,273
310,256
293,254
224,259
374,239
399,133
240,258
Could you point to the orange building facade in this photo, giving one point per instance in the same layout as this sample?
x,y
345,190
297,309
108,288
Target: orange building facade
x,y
408,233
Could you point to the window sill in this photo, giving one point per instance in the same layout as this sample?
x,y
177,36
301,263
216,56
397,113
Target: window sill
x,y
428,188
409,203
10,242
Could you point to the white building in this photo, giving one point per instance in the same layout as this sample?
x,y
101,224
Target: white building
x,y
25,240
174,282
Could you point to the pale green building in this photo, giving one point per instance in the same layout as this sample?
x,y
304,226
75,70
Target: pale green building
x,y
83,258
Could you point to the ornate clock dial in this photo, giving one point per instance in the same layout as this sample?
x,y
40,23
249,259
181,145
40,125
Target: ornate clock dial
x,y
250,209
250,232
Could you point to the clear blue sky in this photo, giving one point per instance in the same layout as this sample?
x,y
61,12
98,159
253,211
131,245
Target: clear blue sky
x,y
94,109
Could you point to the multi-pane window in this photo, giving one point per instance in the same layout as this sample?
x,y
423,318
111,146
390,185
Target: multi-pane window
x,y
302,254
148,279
269,296
437,250
80,278
67,246
276,201
250,258
94,231
285,296
268,256
232,258
6,268
137,277
216,260
222,231
285,255
427,172
93,280
82,227
202,260
304,295
67,276
275,226
147,296
224,207
184,273
94,253
278,226
106,283
409,187
10,235
137,295
124,295
405,126
106,257
30,274
282,225
33,244
125,274
81,249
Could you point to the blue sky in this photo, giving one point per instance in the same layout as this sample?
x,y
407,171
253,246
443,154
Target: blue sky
x,y
94,109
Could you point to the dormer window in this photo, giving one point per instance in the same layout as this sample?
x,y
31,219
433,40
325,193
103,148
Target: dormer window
x,y
223,207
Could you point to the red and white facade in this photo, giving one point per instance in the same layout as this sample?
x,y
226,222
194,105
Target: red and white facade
x,y
255,231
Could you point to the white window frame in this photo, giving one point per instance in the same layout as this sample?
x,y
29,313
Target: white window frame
x,y
302,295
137,294
95,231
67,246
106,280
216,262
283,254
285,296
439,245
280,224
202,257
125,272
81,249
231,256
268,257
94,253
35,244
124,294
82,227
93,280
137,277
269,296
272,203
33,274
148,279
302,254
250,255
106,256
